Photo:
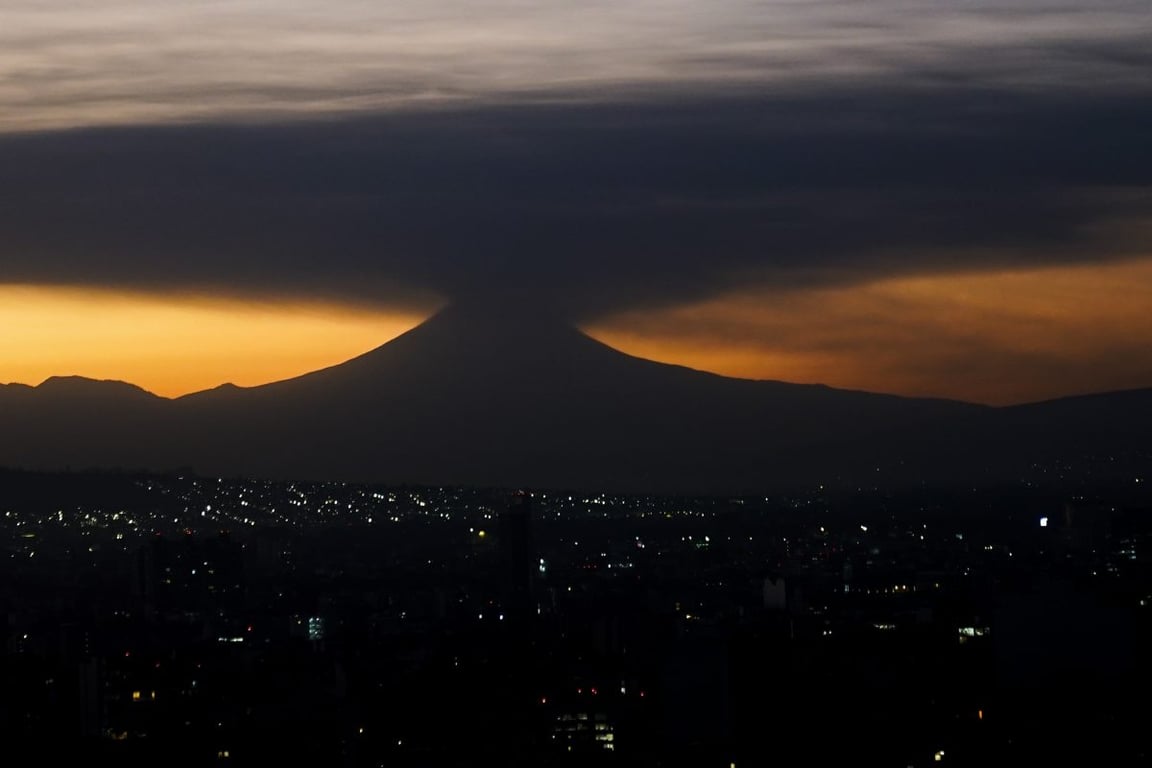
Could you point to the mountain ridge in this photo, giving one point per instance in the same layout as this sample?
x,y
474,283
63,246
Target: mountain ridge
x,y
507,397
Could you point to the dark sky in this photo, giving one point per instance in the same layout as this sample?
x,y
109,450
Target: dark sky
x,y
590,207
627,158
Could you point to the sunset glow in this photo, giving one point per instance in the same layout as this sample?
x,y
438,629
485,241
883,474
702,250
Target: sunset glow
x,y
173,345
1040,333
997,338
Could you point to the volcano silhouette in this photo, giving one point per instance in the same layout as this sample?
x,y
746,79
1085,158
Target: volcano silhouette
x,y
484,394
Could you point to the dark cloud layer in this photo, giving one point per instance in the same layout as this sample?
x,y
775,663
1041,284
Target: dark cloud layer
x,y
588,207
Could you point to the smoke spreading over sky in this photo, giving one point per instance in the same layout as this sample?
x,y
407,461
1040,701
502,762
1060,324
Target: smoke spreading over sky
x,y
710,182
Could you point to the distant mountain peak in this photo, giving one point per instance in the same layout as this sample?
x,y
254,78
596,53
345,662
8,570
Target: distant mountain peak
x,y
515,332
507,320
501,393
80,385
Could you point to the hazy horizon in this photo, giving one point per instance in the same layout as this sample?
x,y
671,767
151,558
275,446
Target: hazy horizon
x,y
338,336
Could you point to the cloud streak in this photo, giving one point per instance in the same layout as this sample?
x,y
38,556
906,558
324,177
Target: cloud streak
x,y
81,62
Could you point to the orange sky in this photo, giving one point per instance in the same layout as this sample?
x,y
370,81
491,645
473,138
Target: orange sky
x,y
172,345
995,338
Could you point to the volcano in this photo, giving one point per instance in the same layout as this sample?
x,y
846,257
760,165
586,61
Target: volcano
x,y
503,396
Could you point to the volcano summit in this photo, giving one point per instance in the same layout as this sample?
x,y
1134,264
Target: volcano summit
x,y
498,395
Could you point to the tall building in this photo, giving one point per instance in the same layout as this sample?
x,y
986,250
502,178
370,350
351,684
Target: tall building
x,y
517,558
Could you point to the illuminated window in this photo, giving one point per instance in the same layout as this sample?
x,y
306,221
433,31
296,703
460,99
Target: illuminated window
x,y
135,695
315,628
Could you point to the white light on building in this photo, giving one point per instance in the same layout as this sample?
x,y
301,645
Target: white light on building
x,y
315,628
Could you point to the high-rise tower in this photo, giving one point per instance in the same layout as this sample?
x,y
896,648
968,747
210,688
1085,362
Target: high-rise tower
x,y
517,561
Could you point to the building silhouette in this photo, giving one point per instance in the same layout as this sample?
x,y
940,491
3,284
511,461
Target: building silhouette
x,y
517,560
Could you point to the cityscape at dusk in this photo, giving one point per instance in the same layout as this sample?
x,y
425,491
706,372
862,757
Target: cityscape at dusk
x,y
655,383
211,621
